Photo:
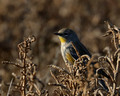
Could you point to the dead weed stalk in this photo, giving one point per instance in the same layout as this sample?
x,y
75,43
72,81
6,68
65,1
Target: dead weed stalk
x,y
26,82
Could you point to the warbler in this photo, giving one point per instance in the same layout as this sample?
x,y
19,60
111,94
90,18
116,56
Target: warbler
x,y
69,54
67,36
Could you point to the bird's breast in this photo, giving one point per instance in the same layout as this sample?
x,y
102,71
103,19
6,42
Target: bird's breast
x,y
63,51
66,54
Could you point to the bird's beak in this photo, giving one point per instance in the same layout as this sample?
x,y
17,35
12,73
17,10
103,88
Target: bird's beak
x,y
59,34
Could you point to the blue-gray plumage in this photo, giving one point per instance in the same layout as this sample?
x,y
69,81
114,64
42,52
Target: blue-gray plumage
x,y
67,36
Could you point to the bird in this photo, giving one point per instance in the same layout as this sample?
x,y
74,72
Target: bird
x,y
68,52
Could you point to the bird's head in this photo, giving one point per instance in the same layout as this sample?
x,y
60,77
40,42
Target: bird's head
x,y
66,35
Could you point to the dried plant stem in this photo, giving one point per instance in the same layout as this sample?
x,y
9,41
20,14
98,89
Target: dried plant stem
x,y
24,76
10,87
112,29
26,85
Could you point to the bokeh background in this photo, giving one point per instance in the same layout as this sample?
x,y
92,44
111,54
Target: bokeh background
x,y
41,18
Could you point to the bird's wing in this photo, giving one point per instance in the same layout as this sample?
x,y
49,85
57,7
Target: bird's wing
x,y
72,52
81,48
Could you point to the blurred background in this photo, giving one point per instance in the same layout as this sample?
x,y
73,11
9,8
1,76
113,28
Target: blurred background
x,y
41,18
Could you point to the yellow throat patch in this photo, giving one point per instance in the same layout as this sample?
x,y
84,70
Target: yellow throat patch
x,y
62,40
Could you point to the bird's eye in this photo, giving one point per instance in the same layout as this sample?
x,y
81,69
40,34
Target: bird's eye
x,y
66,34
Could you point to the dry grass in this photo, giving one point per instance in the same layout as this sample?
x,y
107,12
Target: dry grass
x,y
85,78
21,18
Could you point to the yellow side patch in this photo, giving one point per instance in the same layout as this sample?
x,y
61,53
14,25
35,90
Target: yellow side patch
x,y
63,40
70,58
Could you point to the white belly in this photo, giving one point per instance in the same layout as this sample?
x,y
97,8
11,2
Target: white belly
x,y
63,52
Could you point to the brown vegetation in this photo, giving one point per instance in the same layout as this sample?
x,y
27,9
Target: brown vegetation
x,y
41,18
75,80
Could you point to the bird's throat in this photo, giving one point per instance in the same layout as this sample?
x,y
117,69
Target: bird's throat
x,y
62,40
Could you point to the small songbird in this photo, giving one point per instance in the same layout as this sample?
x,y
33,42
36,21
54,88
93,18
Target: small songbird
x,y
67,36
69,54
